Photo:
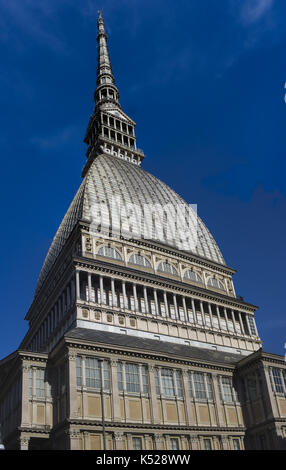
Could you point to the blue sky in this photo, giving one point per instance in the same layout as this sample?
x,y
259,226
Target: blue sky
x,y
203,79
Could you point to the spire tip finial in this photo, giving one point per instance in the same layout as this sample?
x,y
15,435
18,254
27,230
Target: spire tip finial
x,y
99,13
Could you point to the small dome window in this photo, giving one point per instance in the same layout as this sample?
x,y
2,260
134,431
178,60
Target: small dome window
x,y
167,268
215,283
193,276
140,260
109,252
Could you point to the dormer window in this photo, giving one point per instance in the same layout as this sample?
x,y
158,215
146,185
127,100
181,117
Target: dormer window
x,y
215,283
167,268
109,252
140,260
192,276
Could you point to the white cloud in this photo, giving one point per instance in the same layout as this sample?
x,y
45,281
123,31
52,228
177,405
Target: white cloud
x,y
254,10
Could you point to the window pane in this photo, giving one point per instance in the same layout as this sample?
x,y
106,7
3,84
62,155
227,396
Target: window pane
x,y
132,378
174,443
144,370
167,382
226,389
119,376
179,383
137,443
78,372
277,380
40,383
199,384
236,444
208,444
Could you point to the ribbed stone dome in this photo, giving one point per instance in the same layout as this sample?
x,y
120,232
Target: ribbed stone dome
x,y
110,177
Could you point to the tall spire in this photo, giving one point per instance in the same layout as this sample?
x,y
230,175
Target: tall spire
x,y
110,130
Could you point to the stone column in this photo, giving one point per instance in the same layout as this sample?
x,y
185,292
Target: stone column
x,y
211,314
71,385
113,295
77,285
187,398
25,419
115,392
136,308
24,442
218,317
194,311
156,302
202,313
85,440
89,286
241,324
73,436
129,441
233,320
226,318
166,304
185,309
118,438
125,302
194,443
146,300
176,306
101,289
217,402
153,397
158,440
224,443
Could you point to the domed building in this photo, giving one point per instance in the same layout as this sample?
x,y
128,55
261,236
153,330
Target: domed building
x,y
137,339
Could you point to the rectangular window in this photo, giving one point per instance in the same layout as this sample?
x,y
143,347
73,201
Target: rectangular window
x,y
277,384
236,444
78,372
252,325
132,378
174,443
40,383
179,383
207,444
93,373
137,443
226,389
144,370
199,385
167,382
119,376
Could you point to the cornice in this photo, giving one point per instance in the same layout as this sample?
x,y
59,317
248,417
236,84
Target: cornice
x,y
140,354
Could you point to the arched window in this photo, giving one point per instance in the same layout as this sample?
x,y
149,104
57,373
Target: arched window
x,y
109,252
167,268
216,283
140,260
193,276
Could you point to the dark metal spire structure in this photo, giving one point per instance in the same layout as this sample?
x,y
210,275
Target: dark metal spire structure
x,y
110,130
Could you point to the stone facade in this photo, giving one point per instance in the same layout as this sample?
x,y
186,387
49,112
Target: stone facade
x,y
134,343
